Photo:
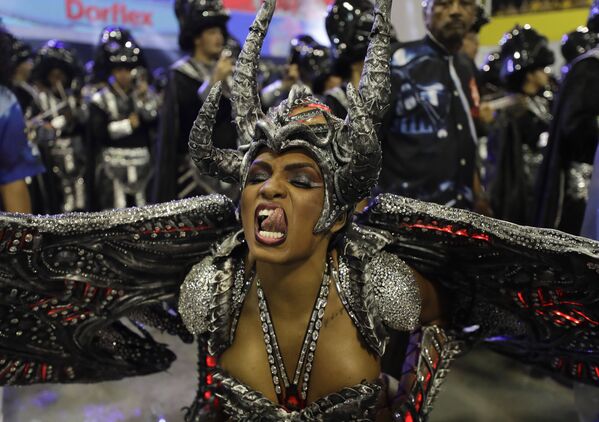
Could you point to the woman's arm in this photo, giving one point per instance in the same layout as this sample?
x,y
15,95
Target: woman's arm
x,y
434,300
15,197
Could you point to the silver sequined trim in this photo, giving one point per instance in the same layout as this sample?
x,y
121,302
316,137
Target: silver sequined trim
x,y
391,206
396,292
219,206
196,295
579,180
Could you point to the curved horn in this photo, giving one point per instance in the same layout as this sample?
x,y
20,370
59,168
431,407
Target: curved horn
x,y
355,179
245,100
224,164
375,82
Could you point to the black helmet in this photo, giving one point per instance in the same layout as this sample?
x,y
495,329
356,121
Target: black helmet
x,y
348,24
522,50
481,19
116,48
490,70
315,65
297,45
55,54
578,42
593,20
194,16
20,52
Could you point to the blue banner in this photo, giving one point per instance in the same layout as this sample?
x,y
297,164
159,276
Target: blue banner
x,y
153,22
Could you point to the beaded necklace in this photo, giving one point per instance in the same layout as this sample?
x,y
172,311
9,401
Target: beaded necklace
x,y
288,393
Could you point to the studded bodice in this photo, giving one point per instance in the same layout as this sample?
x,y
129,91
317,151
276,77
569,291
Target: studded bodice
x,y
376,292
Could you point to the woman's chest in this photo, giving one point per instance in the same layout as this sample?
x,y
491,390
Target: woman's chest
x,y
340,358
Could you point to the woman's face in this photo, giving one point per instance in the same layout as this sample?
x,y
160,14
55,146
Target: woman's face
x,y
280,205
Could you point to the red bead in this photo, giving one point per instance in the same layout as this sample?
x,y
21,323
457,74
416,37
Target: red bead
x,y
211,361
292,401
419,398
209,379
207,395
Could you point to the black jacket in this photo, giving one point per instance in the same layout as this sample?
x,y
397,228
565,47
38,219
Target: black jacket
x,y
179,111
572,139
429,139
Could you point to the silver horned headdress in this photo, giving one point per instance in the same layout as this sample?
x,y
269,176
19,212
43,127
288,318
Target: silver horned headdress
x,y
348,152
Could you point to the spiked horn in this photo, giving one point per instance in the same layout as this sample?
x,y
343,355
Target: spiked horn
x,y
375,81
245,100
355,179
223,164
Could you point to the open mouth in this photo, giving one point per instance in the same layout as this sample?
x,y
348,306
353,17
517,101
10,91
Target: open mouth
x,y
270,224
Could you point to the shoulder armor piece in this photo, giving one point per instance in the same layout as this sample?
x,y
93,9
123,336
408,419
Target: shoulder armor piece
x,y
196,294
396,292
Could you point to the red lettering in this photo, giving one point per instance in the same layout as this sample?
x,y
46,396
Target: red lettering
x,y
117,13
147,19
134,18
123,12
94,13
114,13
72,5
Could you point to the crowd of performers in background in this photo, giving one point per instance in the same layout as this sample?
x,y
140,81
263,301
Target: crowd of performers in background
x,y
509,139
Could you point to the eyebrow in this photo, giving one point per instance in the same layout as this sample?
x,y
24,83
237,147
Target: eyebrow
x,y
262,164
288,167
297,166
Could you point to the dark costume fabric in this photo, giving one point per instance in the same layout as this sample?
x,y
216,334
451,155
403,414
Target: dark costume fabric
x,y
566,170
58,123
590,225
121,153
518,139
25,94
429,143
523,288
176,176
336,99
57,119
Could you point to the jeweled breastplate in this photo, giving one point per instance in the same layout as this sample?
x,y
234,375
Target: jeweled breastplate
x,y
376,292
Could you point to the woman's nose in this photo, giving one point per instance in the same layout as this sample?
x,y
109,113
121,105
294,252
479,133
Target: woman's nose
x,y
273,188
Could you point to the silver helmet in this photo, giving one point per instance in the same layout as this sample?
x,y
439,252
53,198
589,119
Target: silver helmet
x,y
348,152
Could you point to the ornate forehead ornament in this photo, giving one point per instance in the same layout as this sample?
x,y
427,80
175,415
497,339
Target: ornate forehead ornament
x,y
347,152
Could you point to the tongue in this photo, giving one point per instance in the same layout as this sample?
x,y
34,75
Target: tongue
x,y
275,222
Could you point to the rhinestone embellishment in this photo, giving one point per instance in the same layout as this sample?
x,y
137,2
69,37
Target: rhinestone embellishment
x,y
288,393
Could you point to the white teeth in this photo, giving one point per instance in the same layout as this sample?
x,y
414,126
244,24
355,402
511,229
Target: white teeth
x,y
271,235
265,212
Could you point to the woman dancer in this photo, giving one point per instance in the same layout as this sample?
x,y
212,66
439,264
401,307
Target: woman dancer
x,y
291,311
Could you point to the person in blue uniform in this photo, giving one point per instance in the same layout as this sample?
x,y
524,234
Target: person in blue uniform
x,y
17,159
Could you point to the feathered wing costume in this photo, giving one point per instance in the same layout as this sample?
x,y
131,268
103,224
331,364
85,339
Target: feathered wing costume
x,y
67,282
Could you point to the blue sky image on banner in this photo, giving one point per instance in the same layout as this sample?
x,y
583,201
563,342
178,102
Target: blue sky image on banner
x,y
153,21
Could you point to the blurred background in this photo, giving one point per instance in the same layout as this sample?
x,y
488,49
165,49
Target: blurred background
x,y
153,22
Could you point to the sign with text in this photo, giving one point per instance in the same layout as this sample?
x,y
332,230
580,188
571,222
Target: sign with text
x,y
153,22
